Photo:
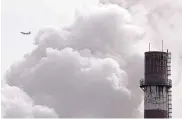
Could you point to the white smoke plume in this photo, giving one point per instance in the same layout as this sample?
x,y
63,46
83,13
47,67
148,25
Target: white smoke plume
x,y
86,69
16,103
92,68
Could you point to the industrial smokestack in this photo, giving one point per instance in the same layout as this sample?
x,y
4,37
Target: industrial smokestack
x,y
156,85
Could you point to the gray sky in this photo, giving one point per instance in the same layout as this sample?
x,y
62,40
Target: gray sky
x,y
96,39
29,16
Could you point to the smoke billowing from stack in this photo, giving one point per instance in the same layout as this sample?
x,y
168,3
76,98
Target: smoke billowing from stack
x,y
83,70
88,69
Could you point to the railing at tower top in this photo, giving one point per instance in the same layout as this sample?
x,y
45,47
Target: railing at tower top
x,y
167,83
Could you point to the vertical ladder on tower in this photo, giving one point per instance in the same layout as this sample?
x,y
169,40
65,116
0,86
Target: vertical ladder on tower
x,y
169,64
169,104
169,97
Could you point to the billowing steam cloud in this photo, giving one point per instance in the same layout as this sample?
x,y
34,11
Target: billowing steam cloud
x,y
83,70
16,103
92,67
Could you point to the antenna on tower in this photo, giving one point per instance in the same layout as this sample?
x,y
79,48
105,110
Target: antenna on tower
x,y
149,46
162,45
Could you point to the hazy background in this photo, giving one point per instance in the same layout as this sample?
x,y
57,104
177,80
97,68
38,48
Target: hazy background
x,y
84,58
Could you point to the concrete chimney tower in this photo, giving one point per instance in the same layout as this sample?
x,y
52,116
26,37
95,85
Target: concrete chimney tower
x,y
156,85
